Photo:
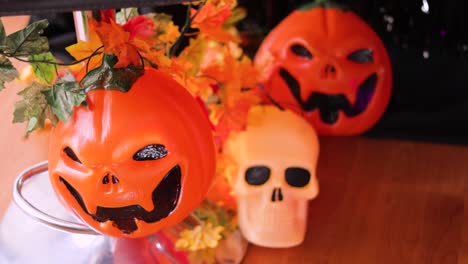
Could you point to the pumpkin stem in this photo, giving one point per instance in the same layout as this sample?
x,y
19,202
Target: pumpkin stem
x,y
323,4
108,77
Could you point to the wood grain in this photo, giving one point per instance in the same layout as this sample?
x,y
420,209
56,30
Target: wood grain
x,y
384,201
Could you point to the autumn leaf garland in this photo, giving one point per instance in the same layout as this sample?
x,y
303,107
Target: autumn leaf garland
x,y
212,66
29,45
7,72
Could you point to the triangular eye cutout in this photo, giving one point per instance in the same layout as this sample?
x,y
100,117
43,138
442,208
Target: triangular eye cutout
x,y
71,154
301,51
151,152
362,56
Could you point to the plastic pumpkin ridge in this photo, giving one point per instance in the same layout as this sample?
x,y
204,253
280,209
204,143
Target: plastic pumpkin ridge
x,y
130,164
330,67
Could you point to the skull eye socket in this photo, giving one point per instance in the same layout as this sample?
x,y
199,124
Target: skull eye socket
x,y
362,56
69,152
257,175
301,51
151,152
297,177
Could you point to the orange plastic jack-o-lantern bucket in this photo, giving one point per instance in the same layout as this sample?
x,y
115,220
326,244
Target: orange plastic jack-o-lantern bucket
x,y
330,67
131,163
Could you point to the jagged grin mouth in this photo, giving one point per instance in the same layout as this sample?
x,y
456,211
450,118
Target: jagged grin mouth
x,y
329,105
165,198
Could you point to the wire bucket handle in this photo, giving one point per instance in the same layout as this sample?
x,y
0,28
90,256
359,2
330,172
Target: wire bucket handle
x,y
32,211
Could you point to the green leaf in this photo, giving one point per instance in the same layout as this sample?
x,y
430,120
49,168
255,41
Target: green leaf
x,y
32,124
32,108
109,78
43,67
126,14
63,97
28,41
68,77
7,72
2,37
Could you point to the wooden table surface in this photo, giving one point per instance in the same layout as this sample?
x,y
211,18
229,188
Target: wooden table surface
x,y
381,201
384,201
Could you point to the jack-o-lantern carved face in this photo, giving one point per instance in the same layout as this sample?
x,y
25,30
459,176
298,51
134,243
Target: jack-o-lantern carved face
x,y
330,67
132,163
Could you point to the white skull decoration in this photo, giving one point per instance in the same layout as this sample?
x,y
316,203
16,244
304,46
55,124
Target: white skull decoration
x,y
276,158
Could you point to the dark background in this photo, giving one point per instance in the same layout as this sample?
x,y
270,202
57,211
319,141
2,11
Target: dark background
x,y
428,48
429,52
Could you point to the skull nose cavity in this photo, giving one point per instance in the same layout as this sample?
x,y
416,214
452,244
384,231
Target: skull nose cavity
x,y
277,195
280,195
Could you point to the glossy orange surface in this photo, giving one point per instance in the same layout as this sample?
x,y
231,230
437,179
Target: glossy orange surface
x,y
92,157
330,54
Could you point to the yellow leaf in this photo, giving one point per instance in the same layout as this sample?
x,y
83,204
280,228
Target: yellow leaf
x,y
194,55
84,49
201,237
26,75
165,29
171,33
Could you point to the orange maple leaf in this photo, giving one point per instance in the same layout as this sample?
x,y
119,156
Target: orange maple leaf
x,y
233,119
199,86
126,41
248,73
210,15
117,41
84,49
238,78
221,191
210,20
159,58
237,75
219,34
